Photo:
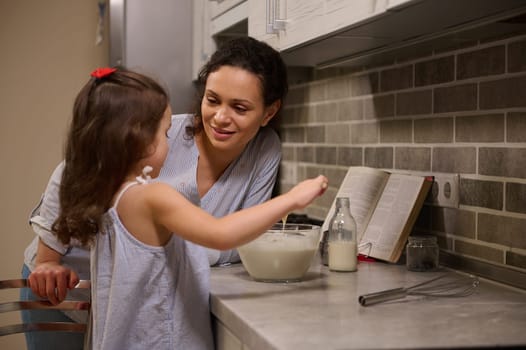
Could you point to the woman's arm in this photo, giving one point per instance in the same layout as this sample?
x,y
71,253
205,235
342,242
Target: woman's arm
x,y
48,278
48,211
170,210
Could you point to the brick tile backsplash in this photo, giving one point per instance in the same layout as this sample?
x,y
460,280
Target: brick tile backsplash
x,y
338,133
350,110
506,231
481,128
485,194
296,95
396,131
363,84
436,71
315,134
456,111
516,260
454,221
338,88
413,158
479,63
297,115
479,251
325,155
454,160
509,162
516,54
516,197
293,134
317,92
503,93
378,157
516,127
379,106
414,102
350,156
396,78
305,154
326,112
434,130
365,133
288,153
455,98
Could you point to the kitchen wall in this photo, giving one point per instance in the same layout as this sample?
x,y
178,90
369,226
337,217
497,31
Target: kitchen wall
x,y
456,111
47,52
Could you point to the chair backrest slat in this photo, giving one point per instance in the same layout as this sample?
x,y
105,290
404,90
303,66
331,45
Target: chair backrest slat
x,y
43,305
17,305
16,283
39,327
24,283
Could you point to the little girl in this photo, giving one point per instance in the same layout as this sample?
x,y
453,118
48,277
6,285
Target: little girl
x,y
149,270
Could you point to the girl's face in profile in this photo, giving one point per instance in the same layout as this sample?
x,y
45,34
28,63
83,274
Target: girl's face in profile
x,y
233,109
159,148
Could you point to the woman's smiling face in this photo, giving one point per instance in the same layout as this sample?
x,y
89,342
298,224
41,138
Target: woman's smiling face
x,y
233,109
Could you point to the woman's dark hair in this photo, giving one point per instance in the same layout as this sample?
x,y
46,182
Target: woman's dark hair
x,y
115,120
253,56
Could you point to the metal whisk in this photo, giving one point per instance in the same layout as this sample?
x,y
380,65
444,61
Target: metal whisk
x,y
435,287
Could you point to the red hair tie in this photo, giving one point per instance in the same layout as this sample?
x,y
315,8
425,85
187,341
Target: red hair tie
x,y
100,73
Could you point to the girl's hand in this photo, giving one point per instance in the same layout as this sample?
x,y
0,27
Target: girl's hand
x,y
51,280
308,190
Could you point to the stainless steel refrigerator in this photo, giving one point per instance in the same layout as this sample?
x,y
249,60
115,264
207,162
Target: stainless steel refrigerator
x,y
155,38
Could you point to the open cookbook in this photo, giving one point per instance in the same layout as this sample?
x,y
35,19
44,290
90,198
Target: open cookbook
x,y
385,206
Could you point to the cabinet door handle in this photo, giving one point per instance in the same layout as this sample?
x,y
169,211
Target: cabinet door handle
x,y
274,23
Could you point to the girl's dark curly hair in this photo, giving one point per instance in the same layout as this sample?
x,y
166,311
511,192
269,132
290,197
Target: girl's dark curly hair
x,y
253,56
115,119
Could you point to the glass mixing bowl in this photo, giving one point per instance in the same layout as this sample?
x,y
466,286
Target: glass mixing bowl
x,y
282,254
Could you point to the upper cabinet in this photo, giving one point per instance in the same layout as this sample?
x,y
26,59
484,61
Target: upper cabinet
x,y
214,21
288,23
226,14
322,33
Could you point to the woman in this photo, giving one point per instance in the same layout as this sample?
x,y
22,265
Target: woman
x,y
223,158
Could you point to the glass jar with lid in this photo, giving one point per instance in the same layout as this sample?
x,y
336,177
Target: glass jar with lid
x,y
422,253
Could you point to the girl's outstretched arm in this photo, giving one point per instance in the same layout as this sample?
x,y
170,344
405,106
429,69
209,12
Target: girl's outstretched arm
x,y
170,210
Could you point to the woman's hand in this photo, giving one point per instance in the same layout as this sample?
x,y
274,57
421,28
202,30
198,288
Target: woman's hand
x,y
51,280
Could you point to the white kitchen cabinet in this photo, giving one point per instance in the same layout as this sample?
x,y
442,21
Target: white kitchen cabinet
x,y
226,14
225,339
391,4
219,7
325,33
203,45
305,20
257,22
212,18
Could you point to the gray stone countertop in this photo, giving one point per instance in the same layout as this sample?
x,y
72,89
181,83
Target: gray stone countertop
x,y
322,311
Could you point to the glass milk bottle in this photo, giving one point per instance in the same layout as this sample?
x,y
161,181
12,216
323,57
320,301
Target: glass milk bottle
x,y
342,238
